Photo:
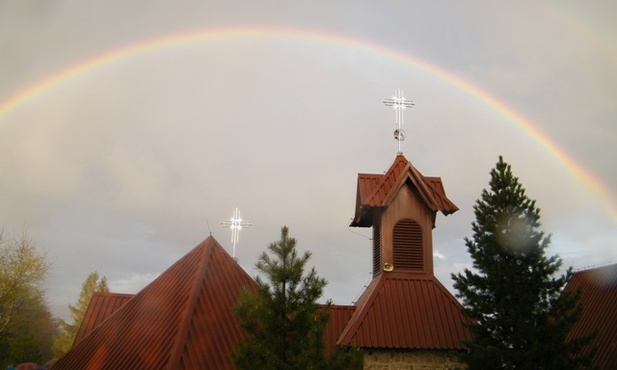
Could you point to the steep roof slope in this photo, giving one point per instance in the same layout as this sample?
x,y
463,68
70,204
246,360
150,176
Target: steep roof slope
x,y
599,299
182,320
406,311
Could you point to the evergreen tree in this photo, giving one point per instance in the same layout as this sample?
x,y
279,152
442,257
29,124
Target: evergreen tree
x,y
66,335
521,315
284,323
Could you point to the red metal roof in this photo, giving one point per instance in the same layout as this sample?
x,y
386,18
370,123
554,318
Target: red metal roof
x,y
182,320
339,317
599,299
406,311
101,306
388,182
204,325
376,190
438,193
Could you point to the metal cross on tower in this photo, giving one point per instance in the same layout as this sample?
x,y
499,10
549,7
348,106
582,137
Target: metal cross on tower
x,y
399,103
235,223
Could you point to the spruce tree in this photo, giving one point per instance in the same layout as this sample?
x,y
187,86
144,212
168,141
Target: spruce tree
x,y
513,294
284,323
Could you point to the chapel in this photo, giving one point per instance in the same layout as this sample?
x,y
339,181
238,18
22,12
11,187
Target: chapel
x,y
405,318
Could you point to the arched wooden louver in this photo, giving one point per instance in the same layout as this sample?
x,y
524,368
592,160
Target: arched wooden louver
x,y
407,246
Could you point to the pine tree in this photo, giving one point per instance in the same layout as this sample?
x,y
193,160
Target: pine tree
x,y
512,294
284,323
65,337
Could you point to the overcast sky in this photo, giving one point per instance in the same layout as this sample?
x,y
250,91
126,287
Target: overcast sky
x,y
125,164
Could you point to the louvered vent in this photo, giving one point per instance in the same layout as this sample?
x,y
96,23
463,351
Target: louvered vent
x,y
376,249
408,253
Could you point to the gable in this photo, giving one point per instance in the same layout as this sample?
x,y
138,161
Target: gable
x,y
375,191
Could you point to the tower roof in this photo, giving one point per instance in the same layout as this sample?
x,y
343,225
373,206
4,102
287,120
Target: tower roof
x,y
184,319
406,311
376,190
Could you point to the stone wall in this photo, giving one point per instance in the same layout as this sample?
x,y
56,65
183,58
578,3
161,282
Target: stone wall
x,y
411,360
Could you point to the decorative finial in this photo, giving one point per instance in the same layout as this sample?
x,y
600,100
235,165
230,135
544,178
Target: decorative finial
x,y
235,223
399,103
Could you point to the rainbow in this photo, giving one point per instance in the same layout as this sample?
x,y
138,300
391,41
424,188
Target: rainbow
x,y
591,181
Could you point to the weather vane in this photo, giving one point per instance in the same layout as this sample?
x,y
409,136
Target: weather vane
x,y
399,103
235,223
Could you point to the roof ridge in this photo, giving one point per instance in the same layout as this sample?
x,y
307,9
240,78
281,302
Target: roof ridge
x,y
591,268
450,296
424,188
186,318
406,170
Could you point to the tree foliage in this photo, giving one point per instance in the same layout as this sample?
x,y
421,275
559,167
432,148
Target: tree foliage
x,y
521,315
66,335
23,270
26,324
29,336
284,323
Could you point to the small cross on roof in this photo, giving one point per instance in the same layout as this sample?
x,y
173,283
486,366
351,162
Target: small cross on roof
x,y
235,223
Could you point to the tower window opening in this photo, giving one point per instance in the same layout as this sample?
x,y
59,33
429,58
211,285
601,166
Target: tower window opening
x,y
408,246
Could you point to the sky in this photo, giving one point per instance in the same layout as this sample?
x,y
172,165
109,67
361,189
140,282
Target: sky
x,y
130,130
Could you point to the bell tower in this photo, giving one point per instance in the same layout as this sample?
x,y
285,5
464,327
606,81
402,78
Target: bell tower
x,y
401,207
405,307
